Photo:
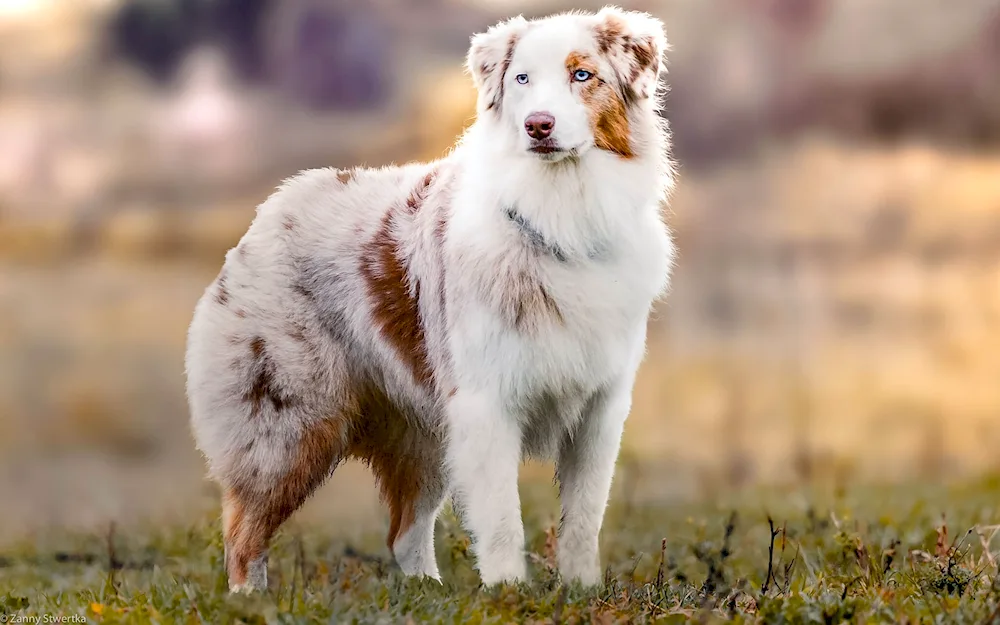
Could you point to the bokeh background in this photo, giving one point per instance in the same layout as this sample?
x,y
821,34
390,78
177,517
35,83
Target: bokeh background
x,y
835,314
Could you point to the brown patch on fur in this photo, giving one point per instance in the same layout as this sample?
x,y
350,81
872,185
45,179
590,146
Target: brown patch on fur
x,y
395,307
550,304
345,175
613,40
253,511
609,32
497,101
416,198
302,290
263,385
232,515
611,130
257,347
608,114
233,512
242,314
297,332
289,222
522,299
221,293
580,60
645,56
441,226
534,303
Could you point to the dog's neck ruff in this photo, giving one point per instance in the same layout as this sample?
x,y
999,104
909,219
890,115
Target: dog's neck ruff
x,y
596,252
534,237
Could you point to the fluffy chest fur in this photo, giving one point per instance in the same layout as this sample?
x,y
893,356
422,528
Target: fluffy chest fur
x,y
556,271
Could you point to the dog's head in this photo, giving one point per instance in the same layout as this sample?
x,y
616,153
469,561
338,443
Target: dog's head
x,y
570,83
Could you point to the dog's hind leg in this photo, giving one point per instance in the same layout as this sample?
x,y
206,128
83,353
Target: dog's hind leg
x,y
407,462
411,533
254,505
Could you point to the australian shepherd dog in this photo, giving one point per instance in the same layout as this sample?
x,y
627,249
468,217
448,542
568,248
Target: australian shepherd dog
x,y
443,321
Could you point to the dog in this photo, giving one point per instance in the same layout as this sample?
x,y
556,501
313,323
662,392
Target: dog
x,y
443,321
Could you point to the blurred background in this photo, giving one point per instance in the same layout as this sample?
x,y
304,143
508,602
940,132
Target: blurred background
x,y
835,314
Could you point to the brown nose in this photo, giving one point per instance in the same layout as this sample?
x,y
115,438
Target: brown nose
x,y
539,125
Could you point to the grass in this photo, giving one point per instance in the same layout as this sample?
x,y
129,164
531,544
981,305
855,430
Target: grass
x,y
913,554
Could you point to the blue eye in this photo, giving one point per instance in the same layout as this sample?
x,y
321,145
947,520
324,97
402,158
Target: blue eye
x,y
582,75
522,79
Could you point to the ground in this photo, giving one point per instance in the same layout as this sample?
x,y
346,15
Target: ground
x,y
797,554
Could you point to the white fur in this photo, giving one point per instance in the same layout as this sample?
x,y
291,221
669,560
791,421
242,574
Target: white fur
x,y
557,388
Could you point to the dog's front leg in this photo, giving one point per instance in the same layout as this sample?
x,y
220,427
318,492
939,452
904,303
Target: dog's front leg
x,y
585,467
483,455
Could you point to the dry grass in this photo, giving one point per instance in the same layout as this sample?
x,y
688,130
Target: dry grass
x,y
905,555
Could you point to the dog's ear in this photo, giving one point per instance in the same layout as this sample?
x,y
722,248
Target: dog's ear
x,y
489,57
635,44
